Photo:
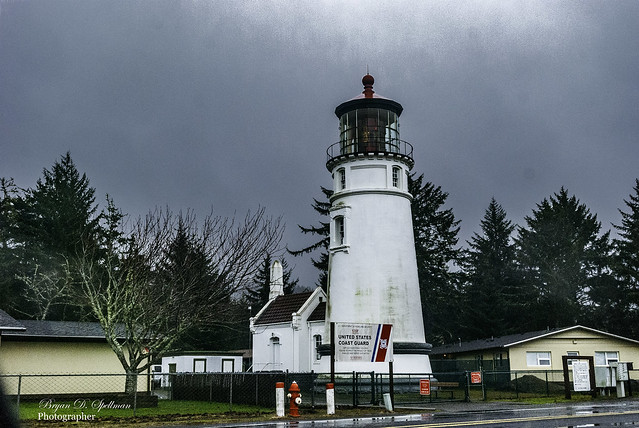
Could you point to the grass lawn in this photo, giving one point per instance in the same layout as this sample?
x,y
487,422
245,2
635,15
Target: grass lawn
x,y
92,410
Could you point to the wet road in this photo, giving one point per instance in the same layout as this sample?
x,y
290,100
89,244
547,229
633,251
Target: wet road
x,y
615,414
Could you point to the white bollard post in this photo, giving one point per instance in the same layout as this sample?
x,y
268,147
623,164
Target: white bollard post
x,y
330,399
279,399
387,401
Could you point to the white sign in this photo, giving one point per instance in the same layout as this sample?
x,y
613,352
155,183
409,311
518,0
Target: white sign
x,y
581,375
622,372
363,342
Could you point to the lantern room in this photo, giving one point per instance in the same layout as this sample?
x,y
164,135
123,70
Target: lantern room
x,y
368,123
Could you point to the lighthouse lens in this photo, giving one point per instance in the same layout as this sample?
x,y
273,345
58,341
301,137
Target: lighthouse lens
x,y
369,130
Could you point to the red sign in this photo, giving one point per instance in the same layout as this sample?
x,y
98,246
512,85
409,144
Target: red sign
x,y
382,342
475,377
424,386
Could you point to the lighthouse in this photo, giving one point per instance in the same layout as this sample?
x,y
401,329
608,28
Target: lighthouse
x,y
372,274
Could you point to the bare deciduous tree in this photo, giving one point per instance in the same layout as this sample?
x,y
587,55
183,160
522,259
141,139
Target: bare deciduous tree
x,y
169,275
46,288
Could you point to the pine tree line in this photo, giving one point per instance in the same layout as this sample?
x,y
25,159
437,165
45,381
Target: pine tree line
x,y
557,269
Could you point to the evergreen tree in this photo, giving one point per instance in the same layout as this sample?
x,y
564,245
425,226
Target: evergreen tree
x,y
627,262
53,221
492,294
10,248
617,302
323,231
562,256
185,267
435,233
60,212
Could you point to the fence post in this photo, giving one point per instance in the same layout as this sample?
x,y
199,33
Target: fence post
x,y
313,389
372,387
231,393
483,385
516,386
211,391
171,380
257,379
18,399
430,382
354,390
391,383
135,394
547,388
467,389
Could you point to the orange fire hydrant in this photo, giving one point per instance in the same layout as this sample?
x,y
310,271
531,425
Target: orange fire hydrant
x,y
295,400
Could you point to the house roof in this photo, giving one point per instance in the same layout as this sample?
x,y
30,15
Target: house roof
x,y
489,343
281,309
511,340
8,323
58,330
319,313
238,353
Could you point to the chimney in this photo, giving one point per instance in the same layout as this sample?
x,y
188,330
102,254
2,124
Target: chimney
x,y
277,280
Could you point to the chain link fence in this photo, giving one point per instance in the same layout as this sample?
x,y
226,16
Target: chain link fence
x,y
258,389
86,390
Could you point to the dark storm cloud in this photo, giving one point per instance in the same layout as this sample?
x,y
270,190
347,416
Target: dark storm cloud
x,y
230,104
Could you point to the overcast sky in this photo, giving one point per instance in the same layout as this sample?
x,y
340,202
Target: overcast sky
x,y
229,105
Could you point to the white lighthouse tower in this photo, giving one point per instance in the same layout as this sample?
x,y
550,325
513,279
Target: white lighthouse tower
x,y
372,262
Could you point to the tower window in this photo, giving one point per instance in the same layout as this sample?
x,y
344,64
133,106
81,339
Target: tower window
x,y
318,343
396,175
339,230
341,176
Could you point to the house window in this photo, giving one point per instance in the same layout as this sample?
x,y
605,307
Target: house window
x,y
228,365
341,177
605,358
396,175
318,343
275,352
172,368
199,365
500,360
538,359
339,230
572,354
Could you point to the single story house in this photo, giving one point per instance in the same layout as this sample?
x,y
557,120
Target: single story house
x,y
58,357
537,351
196,362
201,362
288,331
